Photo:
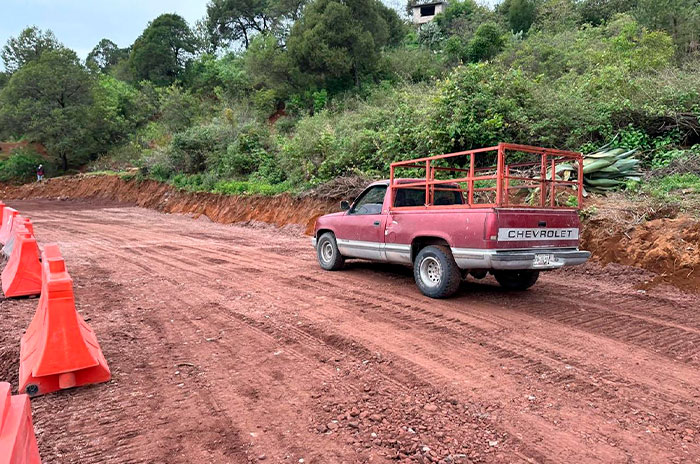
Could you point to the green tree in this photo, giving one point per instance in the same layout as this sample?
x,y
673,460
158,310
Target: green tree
x,y
462,18
26,47
680,18
162,51
521,15
486,43
339,42
596,12
105,55
239,20
49,100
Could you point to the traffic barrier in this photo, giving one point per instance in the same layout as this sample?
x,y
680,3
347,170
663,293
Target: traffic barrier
x,y
59,350
18,224
22,273
8,218
17,439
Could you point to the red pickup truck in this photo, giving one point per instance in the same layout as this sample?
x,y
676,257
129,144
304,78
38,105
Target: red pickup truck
x,y
512,219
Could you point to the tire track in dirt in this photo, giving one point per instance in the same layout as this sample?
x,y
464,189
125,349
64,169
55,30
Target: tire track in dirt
x,y
484,348
506,353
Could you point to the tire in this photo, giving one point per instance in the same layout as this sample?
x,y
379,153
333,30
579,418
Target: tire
x,y
516,280
327,252
436,272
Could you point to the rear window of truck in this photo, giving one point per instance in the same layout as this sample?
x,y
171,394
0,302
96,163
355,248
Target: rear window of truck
x,y
416,197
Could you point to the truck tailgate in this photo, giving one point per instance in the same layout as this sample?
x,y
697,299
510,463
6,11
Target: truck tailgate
x,y
535,228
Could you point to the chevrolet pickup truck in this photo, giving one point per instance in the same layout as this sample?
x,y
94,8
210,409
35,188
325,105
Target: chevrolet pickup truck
x,y
505,220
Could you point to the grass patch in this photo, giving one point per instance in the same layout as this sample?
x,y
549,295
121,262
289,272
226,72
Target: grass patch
x,y
673,185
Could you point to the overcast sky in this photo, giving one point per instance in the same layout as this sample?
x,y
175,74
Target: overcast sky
x,y
80,24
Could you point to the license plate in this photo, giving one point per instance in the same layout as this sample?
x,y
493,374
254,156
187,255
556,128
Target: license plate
x,y
543,260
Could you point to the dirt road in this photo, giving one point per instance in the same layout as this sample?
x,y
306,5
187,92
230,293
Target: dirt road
x,y
229,344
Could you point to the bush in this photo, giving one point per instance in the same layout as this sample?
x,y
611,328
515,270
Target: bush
x,y
410,65
21,165
179,109
200,147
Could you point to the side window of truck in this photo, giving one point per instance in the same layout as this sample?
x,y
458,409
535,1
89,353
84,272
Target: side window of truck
x,y
371,201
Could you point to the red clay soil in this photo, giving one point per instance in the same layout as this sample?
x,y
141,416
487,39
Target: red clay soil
x,y
668,248
228,344
280,210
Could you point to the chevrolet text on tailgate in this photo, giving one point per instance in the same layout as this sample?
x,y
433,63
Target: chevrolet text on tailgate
x,y
508,210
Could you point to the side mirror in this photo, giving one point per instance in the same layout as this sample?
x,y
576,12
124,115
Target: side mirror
x,y
344,205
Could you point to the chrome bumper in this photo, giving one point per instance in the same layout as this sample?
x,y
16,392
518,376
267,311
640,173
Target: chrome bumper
x,y
313,242
517,259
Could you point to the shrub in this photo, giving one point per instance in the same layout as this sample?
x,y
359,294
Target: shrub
x,y
410,65
200,147
21,165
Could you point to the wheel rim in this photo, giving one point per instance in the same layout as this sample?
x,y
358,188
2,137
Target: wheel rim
x,y
430,272
326,252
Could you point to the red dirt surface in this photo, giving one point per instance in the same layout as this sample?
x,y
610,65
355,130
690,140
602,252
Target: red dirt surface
x,y
228,344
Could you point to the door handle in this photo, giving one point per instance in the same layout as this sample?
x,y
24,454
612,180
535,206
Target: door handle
x,y
376,223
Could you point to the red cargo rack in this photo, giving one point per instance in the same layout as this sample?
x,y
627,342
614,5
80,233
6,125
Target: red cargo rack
x,y
505,179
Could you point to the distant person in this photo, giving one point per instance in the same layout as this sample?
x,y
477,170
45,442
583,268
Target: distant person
x,y
40,173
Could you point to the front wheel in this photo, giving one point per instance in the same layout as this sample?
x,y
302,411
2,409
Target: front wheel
x,y
436,272
329,256
516,280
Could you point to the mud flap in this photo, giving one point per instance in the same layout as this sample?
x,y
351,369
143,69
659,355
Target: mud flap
x,y
59,349
17,439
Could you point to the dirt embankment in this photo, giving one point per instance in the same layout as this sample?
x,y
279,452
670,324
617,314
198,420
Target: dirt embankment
x,y
668,247
280,210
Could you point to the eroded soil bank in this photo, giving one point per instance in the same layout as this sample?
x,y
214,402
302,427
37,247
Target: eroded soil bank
x,y
667,247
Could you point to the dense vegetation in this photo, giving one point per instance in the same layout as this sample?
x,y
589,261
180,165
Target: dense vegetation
x,y
273,95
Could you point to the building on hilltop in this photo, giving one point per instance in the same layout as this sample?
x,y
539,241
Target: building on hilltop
x,y
424,12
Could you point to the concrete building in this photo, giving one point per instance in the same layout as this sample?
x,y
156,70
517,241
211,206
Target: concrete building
x,y
426,11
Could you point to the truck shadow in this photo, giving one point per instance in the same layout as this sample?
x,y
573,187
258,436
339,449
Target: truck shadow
x,y
403,275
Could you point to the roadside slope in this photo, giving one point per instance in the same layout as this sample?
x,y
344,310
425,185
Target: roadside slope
x,y
280,210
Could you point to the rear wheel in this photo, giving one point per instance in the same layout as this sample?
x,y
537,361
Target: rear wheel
x,y
436,272
517,280
329,256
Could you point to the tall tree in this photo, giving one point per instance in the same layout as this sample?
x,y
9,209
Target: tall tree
x,y
49,100
340,41
597,12
521,15
105,55
239,20
162,51
680,18
27,46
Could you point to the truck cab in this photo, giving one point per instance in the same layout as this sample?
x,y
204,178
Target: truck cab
x,y
448,228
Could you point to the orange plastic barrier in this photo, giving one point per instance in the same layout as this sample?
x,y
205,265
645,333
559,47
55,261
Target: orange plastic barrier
x,y
22,274
59,350
19,223
17,440
8,218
